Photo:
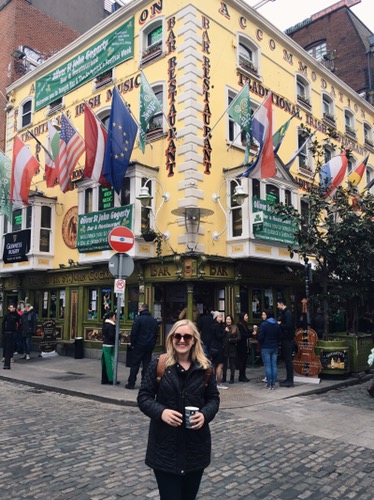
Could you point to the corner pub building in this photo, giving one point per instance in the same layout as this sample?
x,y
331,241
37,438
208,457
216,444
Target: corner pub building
x,y
208,249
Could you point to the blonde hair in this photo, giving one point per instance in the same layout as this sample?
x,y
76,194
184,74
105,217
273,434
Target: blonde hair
x,y
196,353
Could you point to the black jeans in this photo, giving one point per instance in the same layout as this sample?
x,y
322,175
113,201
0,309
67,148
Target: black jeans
x,y
139,356
8,346
177,487
287,350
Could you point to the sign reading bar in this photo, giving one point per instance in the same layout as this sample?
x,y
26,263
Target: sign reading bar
x,y
272,227
93,228
116,47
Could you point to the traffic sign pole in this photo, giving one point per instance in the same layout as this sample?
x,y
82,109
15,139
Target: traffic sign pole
x,y
116,345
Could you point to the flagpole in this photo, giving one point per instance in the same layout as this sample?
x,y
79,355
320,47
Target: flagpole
x,y
41,145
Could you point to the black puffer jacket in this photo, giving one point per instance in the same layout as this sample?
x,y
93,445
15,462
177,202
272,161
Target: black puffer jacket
x,y
144,331
178,450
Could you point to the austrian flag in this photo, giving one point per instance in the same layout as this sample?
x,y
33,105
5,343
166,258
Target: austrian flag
x,y
24,167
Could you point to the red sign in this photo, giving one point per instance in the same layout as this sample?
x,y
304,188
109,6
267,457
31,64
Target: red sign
x,y
121,239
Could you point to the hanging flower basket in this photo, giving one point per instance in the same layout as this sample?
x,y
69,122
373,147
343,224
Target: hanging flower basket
x,y
149,235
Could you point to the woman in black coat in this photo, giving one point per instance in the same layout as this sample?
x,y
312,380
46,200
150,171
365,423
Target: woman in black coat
x,y
179,455
242,346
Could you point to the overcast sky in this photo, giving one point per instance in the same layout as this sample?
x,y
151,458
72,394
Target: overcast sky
x,y
286,13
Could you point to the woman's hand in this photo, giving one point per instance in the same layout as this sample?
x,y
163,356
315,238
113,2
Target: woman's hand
x,y
197,420
172,417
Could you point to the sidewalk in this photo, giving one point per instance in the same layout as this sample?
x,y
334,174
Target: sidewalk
x,y
81,377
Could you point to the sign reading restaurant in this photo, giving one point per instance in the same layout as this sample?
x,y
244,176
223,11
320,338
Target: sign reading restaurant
x,y
116,47
94,228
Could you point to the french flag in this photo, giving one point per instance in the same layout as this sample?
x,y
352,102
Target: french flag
x,y
262,130
332,175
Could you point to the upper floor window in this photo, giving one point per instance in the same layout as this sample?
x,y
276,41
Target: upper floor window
x,y
272,193
328,109
152,41
317,50
26,113
368,136
349,123
103,79
55,106
155,125
303,91
370,177
305,158
248,55
236,212
236,135
45,229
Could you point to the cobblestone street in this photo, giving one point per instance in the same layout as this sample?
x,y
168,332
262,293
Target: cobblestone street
x,y
62,447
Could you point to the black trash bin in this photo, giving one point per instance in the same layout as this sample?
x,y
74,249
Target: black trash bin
x,y
78,348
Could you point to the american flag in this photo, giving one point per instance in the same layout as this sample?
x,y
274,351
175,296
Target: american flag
x,y
71,148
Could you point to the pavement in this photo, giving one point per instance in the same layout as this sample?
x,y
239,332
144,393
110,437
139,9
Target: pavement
x,y
82,378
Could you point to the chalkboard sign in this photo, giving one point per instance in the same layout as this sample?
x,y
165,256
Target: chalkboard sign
x,y
48,342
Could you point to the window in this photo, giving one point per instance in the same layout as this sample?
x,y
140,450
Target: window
x,y
248,55
352,162
317,50
370,178
303,92
328,109
287,197
103,79
26,113
368,136
55,106
349,123
92,303
88,201
272,193
256,188
236,212
155,125
152,42
305,159
45,228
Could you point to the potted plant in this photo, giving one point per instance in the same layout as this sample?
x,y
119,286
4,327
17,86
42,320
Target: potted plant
x,y
149,235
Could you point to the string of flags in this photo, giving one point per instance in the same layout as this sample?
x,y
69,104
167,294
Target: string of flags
x,y
108,151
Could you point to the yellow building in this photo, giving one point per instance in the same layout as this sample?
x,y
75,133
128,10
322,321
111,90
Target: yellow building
x,y
213,252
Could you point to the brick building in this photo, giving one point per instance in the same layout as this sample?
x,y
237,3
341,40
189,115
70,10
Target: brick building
x,y
24,45
342,43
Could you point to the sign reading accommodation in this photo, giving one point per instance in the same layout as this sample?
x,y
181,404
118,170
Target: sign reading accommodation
x,y
116,47
94,227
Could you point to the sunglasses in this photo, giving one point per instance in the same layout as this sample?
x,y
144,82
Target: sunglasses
x,y
187,337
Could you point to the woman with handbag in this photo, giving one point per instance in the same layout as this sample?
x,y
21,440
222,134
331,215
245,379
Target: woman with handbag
x,y
109,340
179,451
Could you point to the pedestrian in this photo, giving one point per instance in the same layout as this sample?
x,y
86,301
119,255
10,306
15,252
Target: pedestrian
x,y
287,341
242,346
216,347
205,327
178,455
28,328
143,340
195,313
109,342
19,337
231,340
269,338
11,327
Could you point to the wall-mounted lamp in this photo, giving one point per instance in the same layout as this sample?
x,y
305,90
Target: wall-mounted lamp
x,y
192,218
146,198
238,197
62,266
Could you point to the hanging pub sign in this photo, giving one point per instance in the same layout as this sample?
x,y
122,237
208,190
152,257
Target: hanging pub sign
x,y
48,342
116,47
16,246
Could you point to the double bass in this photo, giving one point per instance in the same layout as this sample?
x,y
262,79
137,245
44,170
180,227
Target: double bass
x,y
306,362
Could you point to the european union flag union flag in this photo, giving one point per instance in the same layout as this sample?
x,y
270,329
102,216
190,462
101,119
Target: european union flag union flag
x,y
122,131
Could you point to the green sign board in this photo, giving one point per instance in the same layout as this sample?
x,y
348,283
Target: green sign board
x,y
270,226
108,52
94,228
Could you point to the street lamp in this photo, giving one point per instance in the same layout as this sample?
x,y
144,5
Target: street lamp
x,y
238,197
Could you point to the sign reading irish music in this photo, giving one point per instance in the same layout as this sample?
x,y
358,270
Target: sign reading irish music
x,y
116,47
270,226
94,228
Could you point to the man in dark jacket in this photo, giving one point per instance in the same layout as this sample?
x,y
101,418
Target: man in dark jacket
x,y
287,341
11,325
143,340
28,327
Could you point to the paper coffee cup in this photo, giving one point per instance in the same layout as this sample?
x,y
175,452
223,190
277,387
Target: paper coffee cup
x,y
189,411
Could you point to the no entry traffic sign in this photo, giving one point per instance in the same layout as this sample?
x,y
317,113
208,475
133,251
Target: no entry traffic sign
x,y
121,239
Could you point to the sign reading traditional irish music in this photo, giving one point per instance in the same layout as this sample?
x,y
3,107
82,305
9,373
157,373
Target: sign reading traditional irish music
x,y
116,47
94,227
272,227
